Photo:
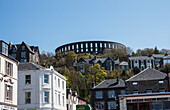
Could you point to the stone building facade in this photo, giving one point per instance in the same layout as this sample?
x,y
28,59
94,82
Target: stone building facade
x,y
24,53
91,47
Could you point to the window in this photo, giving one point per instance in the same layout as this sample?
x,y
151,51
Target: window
x,y
69,47
82,71
72,46
55,81
23,47
87,50
100,45
9,68
91,44
14,55
27,97
23,54
109,46
63,85
161,82
56,98
81,50
58,82
95,44
123,92
77,46
86,45
23,60
149,91
59,99
63,100
8,92
65,48
134,83
111,105
46,97
105,45
91,49
99,106
161,90
4,48
148,61
99,95
111,94
14,49
46,78
113,46
81,45
27,79
135,92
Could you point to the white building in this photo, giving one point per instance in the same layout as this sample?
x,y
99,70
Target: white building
x,y
166,59
40,88
8,79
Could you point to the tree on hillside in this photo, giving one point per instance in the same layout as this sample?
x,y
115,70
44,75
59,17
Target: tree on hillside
x,y
97,73
70,59
156,51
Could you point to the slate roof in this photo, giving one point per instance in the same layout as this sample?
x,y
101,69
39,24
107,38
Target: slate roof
x,y
123,63
148,74
29,66
141,58
98,59
110,83
117,61
158,55
167,57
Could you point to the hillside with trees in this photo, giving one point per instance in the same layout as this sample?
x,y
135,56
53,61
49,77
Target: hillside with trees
x,y
82,83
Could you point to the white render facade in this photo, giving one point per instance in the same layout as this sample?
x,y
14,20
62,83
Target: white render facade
x,y
43,89
8,83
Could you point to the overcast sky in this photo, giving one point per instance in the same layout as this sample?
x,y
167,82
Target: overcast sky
x,y
51,23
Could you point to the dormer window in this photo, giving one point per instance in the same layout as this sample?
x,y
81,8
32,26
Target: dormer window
x,y
4,48
134,83
161,82
23,47
148,61
14,49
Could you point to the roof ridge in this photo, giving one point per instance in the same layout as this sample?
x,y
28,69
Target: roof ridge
x,y
137,74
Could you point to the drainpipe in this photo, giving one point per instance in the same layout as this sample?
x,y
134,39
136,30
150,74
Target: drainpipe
x,y
52,98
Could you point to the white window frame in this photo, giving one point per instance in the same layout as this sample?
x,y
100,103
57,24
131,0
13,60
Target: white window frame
x,y
46,96
46,79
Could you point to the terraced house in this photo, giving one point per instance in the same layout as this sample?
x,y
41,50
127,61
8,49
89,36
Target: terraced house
x,y
8,79
104,96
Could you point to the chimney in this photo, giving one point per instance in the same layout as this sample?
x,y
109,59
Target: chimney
x,y
93,83
169,82
10,44
117,80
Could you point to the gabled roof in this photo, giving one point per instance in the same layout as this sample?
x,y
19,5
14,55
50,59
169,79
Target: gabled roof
x,y
124,63
141,58
148,74
29,48
110,83
117,61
